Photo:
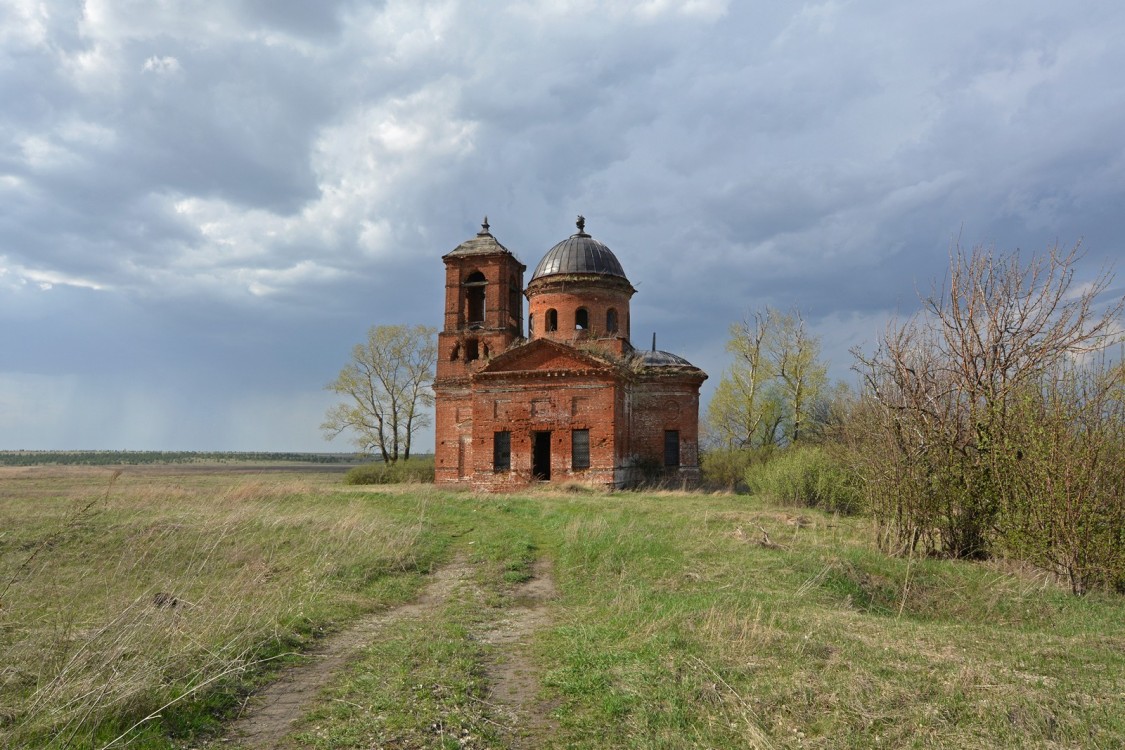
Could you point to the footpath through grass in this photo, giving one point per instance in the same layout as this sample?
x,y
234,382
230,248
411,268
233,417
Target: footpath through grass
x,y
681,621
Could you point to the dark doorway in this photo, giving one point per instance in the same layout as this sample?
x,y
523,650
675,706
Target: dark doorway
x,y
541,457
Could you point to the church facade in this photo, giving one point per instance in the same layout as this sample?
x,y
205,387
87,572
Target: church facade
x,y
569,400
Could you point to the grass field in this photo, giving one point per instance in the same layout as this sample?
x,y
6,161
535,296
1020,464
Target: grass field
x,y
140,610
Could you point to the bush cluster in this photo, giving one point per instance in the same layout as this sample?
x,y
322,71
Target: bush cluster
x,y
414,471
808,477
727,468
987,425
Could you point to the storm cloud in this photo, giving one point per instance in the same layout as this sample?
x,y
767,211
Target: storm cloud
x,y
204,205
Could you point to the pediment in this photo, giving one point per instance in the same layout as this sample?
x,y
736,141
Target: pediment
x,y
543,355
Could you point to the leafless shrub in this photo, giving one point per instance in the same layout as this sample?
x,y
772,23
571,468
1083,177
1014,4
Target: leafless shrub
x,y
933,431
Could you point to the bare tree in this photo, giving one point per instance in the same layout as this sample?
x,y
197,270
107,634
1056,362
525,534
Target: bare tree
x,y
942,386
387,390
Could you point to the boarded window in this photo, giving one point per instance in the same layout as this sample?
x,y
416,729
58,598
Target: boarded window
x,y
502,451
611,320
580,449
671,448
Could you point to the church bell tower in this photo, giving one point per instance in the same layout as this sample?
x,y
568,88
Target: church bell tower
x,y
483,317
483,304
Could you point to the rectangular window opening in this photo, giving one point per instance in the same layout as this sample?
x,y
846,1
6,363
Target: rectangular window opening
x,y
671,448
502,451
580,449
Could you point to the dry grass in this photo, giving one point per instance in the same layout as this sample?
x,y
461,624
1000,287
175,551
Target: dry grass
x,y
672,628
123,601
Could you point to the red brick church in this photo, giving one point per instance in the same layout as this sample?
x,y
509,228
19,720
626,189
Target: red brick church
x,y
570,401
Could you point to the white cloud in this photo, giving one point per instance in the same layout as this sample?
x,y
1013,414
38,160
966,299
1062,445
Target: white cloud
x,y
708,10
87,133
41,153
265,281
24,24
407,31
614,10
161,65
20,276
66,147
365,162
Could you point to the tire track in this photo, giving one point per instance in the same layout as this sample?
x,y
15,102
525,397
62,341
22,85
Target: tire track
x,y
271,713
513,676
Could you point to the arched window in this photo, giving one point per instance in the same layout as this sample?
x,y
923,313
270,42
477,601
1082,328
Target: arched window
x,y
474,296
552,323
472,350
530,323
581,319
611,320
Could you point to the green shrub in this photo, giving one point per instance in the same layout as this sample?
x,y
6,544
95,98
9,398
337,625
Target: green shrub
x,y
807,477
414,471
727,468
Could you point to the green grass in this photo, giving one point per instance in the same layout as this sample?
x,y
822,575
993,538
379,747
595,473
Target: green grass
x,y
682,620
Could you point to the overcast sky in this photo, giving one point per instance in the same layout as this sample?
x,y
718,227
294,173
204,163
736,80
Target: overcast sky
x,y
204,205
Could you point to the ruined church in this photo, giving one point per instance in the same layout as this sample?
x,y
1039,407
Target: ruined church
x,y
570,400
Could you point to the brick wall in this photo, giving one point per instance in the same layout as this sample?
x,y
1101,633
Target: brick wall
x,y
665,402
554,402
453,424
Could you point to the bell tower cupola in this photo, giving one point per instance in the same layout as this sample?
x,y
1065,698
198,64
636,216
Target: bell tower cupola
x,y
483,304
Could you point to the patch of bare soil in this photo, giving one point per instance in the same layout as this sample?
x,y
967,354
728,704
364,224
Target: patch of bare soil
x,y
513,678
269,715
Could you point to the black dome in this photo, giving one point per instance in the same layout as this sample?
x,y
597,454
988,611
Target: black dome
x,y
658,358
579,253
